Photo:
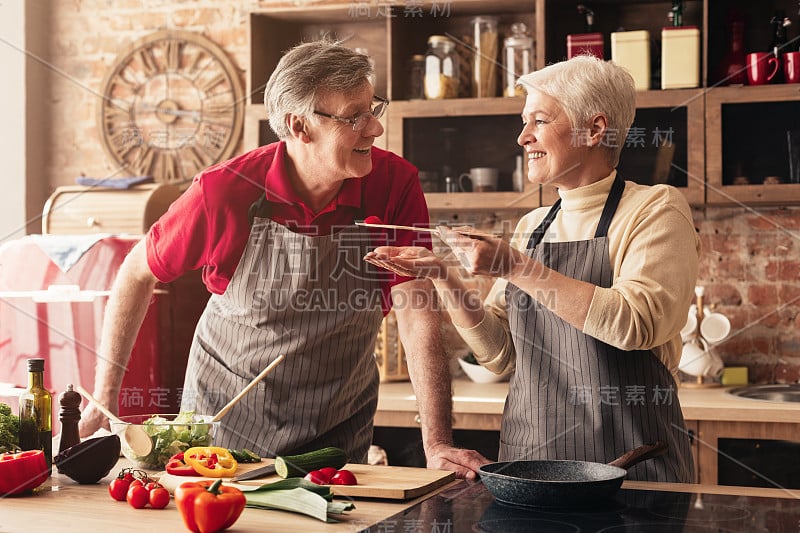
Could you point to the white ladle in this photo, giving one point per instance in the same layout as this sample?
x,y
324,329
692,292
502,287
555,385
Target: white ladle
x,y
134,436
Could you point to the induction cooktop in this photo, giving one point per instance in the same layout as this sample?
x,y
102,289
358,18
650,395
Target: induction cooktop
x,y
471,508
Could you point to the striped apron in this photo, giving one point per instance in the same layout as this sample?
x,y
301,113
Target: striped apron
x,y
577,398
313,299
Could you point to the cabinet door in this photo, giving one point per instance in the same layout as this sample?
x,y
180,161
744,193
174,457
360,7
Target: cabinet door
x,y
753,145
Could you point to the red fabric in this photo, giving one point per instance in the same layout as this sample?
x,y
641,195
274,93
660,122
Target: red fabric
x,y
208,226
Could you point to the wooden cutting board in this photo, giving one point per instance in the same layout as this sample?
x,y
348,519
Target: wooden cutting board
x,y
386,482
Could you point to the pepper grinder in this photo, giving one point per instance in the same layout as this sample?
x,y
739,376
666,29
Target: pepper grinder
x,y
69,415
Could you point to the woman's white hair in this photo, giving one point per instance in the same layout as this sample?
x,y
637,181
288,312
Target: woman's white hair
x,y
303,72
585,86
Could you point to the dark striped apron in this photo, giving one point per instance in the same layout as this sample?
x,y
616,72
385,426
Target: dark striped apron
x,y
313,299
577,398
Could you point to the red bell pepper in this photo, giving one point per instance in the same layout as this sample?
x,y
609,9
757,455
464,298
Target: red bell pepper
x,y
23,471
208,506
178,467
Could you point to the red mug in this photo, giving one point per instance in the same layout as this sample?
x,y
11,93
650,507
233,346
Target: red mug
x,y
761,67
791,67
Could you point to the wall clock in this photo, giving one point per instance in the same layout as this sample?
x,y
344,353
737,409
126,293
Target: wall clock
x,y
172,105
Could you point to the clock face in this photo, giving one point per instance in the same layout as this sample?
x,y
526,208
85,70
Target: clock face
x,y
172,105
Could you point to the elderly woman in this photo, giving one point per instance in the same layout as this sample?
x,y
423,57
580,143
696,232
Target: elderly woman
x,y
590,294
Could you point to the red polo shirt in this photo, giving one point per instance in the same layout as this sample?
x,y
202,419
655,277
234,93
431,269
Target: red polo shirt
x,y
208,226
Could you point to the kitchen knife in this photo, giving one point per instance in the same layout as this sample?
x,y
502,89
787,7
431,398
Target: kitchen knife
x,y
264,471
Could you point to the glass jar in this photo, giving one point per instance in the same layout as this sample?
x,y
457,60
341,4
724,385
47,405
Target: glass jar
x,y
517,58
484,66
441,68
416,77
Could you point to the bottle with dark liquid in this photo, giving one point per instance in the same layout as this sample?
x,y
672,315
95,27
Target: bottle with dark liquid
x,y
35,413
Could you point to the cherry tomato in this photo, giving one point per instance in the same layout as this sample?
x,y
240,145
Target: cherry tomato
x,y
315,476
344,477
136,483
137,496
159,497
118,489
328,472
127,476
152,485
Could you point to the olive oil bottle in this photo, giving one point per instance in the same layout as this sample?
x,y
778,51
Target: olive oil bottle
x,y
35,413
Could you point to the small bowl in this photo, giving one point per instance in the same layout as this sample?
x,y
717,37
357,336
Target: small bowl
x,y
168,436
479,374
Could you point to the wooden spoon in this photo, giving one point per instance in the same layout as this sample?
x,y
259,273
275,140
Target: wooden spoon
x,y
222,412
135,436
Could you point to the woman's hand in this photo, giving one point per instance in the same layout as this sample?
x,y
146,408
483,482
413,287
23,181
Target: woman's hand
x,y
483,253
409,261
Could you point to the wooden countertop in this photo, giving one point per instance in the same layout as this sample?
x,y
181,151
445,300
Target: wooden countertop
x,y
63,505
486,400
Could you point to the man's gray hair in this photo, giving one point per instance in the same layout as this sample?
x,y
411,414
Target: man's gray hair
x,y
303,72
584,86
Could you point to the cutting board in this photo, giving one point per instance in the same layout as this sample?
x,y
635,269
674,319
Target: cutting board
x,y
386,482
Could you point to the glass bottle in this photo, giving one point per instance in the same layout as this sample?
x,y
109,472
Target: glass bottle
x,y
416,77
484,68
517,58
35,413
441,68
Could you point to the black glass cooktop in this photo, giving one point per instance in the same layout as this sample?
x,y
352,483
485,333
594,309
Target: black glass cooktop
x,y
471,508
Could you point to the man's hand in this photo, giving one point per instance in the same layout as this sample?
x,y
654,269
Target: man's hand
x,y
464,463
92,420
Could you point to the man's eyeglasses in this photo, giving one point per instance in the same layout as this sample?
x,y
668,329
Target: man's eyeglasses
x,y
360,120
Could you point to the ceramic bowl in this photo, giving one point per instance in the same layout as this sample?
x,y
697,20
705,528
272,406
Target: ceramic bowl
x,y
479,374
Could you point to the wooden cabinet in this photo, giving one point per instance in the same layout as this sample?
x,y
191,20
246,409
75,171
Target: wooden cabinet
x,y
717,133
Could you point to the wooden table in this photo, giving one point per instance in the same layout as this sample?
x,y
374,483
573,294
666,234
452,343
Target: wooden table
x,y
63,505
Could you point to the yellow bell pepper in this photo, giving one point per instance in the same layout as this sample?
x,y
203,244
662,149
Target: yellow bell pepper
x,y
211,461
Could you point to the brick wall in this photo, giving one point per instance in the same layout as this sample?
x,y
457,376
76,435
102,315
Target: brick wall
x,y
750,267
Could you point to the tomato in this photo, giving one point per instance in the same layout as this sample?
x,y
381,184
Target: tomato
x,y
315,476
344,477
118,489
137,496
152,485
136,483
159,497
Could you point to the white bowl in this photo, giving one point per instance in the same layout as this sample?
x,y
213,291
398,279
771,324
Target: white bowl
x,y
479,374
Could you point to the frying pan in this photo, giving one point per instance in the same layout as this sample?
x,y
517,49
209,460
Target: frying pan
x,y
561,483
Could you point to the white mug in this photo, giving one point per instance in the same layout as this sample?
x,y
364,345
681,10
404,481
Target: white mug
x,y
715,327
484,179
690,327
697,360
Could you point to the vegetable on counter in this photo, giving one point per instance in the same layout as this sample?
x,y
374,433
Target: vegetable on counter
x,y
210,461
331,476
207,506
245,456
178,467
299,465
138,489
22,471
297,495
89,461
9,429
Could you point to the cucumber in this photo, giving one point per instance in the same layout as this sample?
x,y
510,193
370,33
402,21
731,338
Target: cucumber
x,y
299,465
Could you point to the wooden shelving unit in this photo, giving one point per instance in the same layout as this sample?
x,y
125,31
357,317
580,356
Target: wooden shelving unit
x,y
700,119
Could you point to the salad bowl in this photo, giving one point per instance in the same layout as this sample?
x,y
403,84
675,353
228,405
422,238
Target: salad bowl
x,y
168,434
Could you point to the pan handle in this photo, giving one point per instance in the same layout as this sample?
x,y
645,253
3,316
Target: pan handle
x,y
637,455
